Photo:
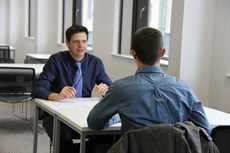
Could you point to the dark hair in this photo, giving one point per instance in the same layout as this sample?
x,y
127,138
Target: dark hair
x,y
75,29
147,43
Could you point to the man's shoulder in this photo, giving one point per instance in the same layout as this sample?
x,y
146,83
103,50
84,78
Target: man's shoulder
x,y
92,58
174,80
128,80
59,54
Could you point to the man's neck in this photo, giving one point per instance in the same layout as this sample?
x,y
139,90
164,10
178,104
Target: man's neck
x,y
140,64
77,58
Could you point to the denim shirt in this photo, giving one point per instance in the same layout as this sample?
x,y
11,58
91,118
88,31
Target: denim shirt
x,y
149,97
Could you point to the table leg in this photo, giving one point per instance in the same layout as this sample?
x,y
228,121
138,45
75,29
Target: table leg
x,y
35,129
83,141
56,134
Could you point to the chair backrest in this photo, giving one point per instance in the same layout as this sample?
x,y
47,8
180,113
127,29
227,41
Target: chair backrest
x,y
16,83
6,60
221,137
4,51
181,137
5,54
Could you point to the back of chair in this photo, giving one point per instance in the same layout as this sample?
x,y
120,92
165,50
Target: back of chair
x,y
5,54
6,60
16,84
221,137
181,137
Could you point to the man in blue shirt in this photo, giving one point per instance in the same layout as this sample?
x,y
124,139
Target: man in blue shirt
x,y
57,79
149,97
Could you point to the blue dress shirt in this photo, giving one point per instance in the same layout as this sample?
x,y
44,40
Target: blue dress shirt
x,y
59,72
148,98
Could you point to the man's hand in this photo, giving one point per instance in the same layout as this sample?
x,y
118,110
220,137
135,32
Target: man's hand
x,y
66,92
102,89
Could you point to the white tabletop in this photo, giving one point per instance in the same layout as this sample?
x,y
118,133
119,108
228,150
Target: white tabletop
x,y
70,108
38,67
11,47
217,117
39,56
73,111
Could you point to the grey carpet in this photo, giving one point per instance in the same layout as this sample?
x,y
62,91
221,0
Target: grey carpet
x,y
16,135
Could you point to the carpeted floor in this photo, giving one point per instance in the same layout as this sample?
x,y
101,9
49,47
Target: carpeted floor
x,y
16,135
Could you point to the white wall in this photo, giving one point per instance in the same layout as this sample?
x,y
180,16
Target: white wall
x,y
198,46
104,40
3,16
219,84
200,52
195,45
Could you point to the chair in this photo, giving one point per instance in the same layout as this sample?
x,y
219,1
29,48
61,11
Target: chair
x,y
16,84
5,54
221,137
181,137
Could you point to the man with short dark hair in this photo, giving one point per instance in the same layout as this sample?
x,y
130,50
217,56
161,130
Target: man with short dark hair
x,y
149,97
57,81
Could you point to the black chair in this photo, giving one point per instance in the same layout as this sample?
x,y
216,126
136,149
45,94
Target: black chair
x,y
5,54
6,60
16,84
221,137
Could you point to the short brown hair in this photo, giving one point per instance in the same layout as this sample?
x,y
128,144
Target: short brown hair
x,y
75,29
147,43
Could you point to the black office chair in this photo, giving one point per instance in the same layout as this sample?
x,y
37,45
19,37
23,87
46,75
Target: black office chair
x,y
5,54
16,84
6,60
221,137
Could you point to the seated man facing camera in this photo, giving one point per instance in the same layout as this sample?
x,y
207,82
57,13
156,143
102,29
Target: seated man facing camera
x,y
58,81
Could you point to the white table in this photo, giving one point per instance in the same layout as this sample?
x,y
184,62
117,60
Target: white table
x,y
39,58
74,112
37,67
217,117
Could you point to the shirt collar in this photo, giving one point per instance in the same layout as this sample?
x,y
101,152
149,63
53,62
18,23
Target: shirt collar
x,y
150,69
73,60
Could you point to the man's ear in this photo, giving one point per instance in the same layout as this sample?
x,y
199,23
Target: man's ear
x,y
163,52
67,43
133,53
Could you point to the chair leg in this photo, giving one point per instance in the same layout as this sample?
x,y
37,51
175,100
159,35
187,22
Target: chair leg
x,y
51,144
13,108
22,110
26,110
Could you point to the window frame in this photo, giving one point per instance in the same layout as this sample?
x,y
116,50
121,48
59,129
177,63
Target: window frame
x,y
140,18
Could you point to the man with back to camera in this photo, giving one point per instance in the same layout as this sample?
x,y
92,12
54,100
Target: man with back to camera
x,y
149,97
57,80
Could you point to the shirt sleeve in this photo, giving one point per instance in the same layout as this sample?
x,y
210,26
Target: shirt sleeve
x,y
42,85
105,112
102,76
198,116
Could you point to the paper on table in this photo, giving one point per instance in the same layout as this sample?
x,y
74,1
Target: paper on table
x,y
77,102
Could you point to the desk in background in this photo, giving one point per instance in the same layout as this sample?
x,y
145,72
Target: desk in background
x,y
37,67
37,58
